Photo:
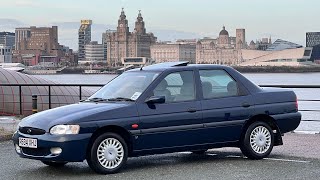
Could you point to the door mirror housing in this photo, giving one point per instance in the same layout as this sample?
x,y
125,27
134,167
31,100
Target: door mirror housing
x,y
156,100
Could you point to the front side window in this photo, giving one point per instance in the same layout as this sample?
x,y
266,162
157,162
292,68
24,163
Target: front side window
x,y
177,87
129,85
217,84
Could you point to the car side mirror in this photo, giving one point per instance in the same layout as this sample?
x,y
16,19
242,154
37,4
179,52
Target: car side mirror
x,y
156,100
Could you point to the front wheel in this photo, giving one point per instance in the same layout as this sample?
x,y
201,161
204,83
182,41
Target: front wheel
x,y
258,140
108,154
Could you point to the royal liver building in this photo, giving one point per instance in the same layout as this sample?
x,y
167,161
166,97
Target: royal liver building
x,y
123,43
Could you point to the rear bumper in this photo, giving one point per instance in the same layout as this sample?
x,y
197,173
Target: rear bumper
x,y
73,147
288,122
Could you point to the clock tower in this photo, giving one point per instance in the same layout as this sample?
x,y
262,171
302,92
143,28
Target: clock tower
x,y
123,24
139,25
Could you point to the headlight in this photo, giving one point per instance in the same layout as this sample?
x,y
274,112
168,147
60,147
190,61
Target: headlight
x,y
65,129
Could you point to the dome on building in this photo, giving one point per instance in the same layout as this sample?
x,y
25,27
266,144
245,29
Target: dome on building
x,y
223,32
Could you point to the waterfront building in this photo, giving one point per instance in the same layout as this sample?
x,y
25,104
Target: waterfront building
x,y
5,54
280,44
38,38
37,44
123,43
222,50
163,52
69,58
7,39
22,35
313,40
286,57
84,37
95,52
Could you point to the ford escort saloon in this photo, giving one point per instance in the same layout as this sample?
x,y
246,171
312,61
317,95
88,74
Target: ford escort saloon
x,y
161,108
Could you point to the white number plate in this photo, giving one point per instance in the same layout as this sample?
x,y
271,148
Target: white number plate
x,y
28,142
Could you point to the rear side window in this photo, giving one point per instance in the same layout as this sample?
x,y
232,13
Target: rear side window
x,y
218,84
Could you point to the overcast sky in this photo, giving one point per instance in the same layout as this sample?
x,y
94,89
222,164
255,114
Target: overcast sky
x,y
286,19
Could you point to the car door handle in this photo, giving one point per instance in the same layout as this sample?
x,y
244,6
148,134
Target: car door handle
x,y
245,105
192,110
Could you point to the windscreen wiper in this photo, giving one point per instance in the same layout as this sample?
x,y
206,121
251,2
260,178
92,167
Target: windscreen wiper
x,y
121,99
94,100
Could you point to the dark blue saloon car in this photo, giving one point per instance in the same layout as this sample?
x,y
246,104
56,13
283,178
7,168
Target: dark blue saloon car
x,y
162,108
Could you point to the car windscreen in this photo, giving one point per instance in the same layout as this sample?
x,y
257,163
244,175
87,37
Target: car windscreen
x,y
127,86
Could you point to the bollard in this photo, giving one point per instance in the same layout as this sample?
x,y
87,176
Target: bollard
x,y
34,104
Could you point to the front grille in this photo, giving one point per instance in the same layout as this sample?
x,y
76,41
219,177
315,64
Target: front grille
x,y
31,131
36,152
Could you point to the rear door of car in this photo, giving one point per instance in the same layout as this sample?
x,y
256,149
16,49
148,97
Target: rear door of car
x,y
226,105
174,123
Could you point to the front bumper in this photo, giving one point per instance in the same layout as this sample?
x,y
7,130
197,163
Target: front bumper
x,y
73,147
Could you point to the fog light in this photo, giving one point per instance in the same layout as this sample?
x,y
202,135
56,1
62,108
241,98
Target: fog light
x,y
18,149
56,150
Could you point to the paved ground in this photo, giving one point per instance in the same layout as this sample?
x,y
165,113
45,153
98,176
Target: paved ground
x,y
299,159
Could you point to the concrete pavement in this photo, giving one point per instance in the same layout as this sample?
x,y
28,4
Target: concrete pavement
x,y
8,126
298,158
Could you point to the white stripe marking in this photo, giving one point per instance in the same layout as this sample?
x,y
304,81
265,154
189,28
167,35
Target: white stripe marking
x,y
287,160
232,156
272,159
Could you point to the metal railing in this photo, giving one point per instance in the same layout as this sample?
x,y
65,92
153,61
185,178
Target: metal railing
x,y
80,94
49,86
301,100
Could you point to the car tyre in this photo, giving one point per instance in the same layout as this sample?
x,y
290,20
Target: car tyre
x,y
54,164
108,153
258,141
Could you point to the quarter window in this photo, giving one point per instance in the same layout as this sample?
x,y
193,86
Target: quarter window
x,y
177,87
217,84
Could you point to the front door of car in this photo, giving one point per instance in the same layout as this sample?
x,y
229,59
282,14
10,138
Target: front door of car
x,y
225,106
174,123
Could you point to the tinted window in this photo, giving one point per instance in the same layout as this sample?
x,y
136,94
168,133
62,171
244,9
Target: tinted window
x,y
217,84
177,87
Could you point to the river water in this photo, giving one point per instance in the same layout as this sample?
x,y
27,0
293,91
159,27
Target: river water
x,y
311,119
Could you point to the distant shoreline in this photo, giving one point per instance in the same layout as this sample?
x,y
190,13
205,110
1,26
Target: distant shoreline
x,y
277,69
242,69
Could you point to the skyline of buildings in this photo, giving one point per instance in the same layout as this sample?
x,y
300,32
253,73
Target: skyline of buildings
x,y
34,45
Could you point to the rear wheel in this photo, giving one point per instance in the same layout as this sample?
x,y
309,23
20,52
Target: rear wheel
x,y
108,154
258,140
54,164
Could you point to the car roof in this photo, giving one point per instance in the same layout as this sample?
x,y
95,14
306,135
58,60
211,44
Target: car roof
x,y
173,65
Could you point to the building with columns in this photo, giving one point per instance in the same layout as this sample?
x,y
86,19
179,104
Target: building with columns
x,y
169,52
123,43
222,50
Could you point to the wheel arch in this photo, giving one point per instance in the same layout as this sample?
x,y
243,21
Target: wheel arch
x,y
267,119
112,129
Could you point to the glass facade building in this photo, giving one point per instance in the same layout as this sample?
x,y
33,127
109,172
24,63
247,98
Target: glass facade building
x,y
313,40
